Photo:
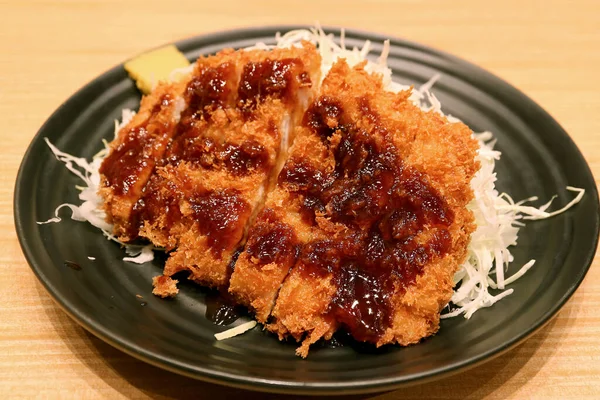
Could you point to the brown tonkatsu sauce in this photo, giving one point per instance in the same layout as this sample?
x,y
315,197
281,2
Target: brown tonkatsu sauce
x,y
221,308
156,202
272,241
73,265
240,160
386,207
208,90
213,89
221,217
270,78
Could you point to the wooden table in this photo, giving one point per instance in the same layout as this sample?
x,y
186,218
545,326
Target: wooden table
x,y
48,49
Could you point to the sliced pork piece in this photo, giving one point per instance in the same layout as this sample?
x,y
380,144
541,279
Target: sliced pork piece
x,y
388,213
276,237
217,170
134,153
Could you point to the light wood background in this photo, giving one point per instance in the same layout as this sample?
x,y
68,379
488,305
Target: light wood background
x,y
48,49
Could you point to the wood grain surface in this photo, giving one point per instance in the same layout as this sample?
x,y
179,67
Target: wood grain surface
x,y
48,49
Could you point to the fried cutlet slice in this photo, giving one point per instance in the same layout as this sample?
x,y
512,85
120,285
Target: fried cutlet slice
x,y
217,169
209,91
277,235
135,151
390,201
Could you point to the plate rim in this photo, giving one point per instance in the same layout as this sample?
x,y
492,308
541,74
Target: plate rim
x,y
279,385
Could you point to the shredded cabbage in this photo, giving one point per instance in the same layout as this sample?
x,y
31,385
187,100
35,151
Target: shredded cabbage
x,y
497,216
236,330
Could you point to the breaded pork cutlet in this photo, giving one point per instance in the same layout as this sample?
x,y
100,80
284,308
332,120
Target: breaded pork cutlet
x,y
360,226
372,200
241,108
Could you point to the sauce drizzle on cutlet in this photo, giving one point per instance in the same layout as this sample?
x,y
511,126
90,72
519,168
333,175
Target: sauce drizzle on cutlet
x,y
386,207
160,198
272,241
270,78
221,217
209,90
241,160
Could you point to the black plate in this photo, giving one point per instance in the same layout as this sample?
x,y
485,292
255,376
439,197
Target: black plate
x,y
539,159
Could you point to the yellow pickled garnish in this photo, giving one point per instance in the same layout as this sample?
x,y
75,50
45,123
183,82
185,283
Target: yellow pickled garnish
x,y
149,68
